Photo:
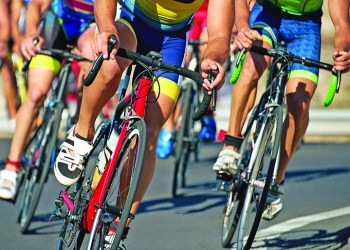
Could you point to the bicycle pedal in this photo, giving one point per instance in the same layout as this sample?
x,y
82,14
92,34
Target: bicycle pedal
x,y
223,185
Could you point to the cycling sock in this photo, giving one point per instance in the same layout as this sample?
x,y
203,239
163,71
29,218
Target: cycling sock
x,y
233,141
83,138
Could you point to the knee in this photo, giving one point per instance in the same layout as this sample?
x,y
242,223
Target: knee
x,y
35,98
249,75
298,108
152,136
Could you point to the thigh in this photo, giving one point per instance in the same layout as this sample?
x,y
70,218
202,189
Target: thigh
x,y
39,81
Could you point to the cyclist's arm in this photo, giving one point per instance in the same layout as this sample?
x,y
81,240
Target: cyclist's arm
x,y
4,28
245,36
35,10
220,23
339,13
16,6
105,12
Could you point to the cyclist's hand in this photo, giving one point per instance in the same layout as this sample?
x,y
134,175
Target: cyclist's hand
x,y
28,47
206,66
100,44
246,37
341,61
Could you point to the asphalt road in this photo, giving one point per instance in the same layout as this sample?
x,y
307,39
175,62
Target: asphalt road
x,y
316,213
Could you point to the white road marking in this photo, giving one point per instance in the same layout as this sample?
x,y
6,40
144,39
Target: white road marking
x,y
292,224
277,230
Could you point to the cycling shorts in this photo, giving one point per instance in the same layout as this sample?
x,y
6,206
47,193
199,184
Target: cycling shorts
x,y
54,37
172,45
199,24
303,38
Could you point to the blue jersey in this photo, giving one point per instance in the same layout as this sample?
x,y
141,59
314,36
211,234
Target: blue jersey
x,y
74,15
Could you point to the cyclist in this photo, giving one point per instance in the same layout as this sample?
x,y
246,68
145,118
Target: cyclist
x,y
299,24
144,26
207,133
6,70
61,28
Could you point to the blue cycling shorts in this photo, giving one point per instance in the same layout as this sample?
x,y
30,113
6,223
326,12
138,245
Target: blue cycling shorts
x,y
303,38
172,45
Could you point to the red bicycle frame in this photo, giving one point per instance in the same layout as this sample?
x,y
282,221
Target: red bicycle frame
x,y
139,106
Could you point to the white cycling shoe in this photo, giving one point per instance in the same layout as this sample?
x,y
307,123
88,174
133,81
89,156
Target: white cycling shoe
x,y
8,184
69,162
227,162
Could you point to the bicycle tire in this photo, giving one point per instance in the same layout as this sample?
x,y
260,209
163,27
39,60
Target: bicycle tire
x,y
264,165
71,237
183,144
40,172
133,147
26,158
235,197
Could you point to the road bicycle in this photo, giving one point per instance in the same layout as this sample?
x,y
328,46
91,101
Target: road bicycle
x,y
186,139
41,149
103,210
260,150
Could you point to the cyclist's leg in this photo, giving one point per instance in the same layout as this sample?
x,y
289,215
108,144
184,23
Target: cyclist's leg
x,y
41,72
85,49
301,86
67,171
244,91
173,50
243,94
10,91
39,81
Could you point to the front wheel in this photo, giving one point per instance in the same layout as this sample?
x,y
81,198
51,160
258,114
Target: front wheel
x,y
183,139
112,218
266,161
37,173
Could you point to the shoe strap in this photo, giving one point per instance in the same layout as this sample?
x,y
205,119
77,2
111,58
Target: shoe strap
x,y
77,145
229,152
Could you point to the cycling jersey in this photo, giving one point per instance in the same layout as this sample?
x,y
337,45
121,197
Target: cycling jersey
x,y
298,6
74,15
163,15
199,21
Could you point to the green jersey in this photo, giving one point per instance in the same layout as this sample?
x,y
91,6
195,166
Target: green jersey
x,y
298,6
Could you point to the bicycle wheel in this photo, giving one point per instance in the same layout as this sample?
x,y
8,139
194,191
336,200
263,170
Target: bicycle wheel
x,y
236,195
119,197
27,159
39,169
70,236
267,149
183,139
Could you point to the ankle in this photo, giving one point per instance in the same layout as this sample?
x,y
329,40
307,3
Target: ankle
x,y
86,135
14,166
